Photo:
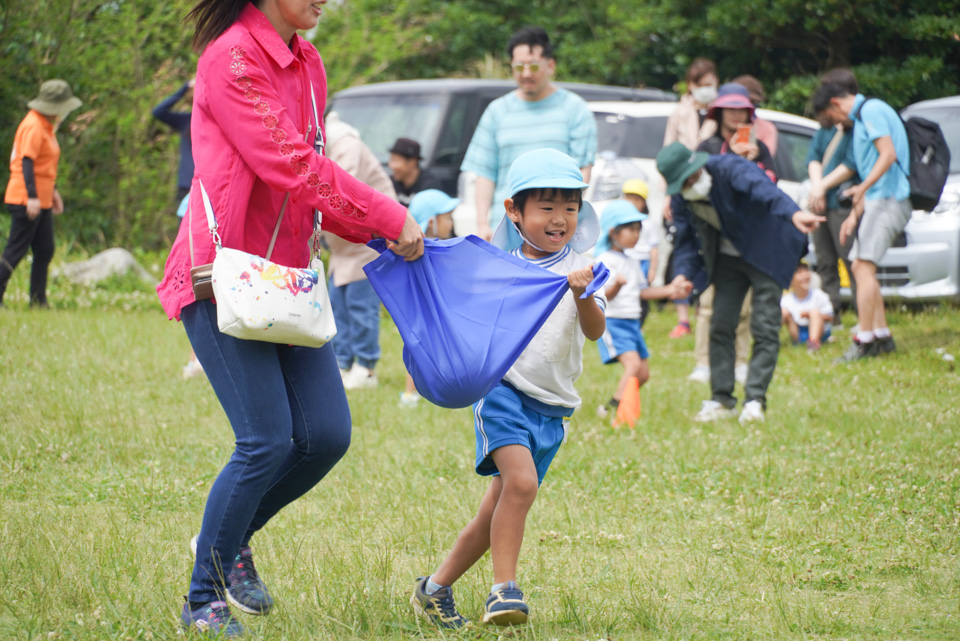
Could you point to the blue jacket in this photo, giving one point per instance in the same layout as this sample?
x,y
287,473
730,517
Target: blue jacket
x,y
179,120
754,215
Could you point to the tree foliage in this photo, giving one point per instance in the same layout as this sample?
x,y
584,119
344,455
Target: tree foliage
x,y
118,168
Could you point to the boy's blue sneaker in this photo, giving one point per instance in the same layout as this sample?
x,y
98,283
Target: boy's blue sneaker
x,y
437,608
212,620
506,606
245,589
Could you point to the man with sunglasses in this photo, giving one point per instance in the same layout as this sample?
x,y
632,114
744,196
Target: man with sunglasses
x,y
538,114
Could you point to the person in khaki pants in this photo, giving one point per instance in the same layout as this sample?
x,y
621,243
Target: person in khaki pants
x,y
701,347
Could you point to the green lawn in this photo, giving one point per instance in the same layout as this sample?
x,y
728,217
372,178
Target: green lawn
x,y
836,519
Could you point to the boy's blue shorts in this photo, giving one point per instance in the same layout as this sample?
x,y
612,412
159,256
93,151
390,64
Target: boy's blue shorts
x,y
622,335
500,418
804,333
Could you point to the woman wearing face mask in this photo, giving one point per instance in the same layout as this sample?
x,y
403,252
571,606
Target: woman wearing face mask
x,y
689,125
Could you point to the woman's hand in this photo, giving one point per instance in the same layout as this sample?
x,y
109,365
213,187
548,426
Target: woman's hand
x,y
748,150
57,203
410,242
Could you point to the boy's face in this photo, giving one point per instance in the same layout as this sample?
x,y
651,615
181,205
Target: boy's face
x,y
440,226
637,201
801,281
626,236
548,220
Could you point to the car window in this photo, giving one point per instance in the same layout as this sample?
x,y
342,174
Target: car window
x,y
949,121
792,146
630,137
454,138
384,118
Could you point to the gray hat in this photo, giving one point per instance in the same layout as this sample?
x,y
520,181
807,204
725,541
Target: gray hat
x,y
55,99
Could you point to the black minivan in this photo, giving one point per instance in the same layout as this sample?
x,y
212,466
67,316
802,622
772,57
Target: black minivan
x,y
442,115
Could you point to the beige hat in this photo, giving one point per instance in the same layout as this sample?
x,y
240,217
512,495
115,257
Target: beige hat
x,y
55,99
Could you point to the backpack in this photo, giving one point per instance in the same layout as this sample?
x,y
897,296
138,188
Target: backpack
x,y
929,160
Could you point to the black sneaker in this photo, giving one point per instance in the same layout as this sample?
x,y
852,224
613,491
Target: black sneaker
x,y
885,345
857,351
245,590
437,608
213,620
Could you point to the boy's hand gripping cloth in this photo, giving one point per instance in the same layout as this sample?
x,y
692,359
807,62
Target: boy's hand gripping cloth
x,y
465,311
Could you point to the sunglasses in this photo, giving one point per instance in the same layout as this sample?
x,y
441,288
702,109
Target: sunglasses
x,y
518,67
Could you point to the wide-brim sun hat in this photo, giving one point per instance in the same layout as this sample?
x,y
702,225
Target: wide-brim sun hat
x,y
548,169
731,96
430,203
616,213
676,163
636,186
55,99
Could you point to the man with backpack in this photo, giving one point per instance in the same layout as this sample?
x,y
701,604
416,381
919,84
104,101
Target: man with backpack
x,y
881,203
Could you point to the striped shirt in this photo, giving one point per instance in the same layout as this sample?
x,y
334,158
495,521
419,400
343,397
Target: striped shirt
x,y
511,126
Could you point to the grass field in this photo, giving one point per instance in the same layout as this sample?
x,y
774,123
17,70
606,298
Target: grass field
x,y
839,518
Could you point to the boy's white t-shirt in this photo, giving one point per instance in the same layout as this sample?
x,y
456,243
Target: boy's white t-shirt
x,y
626,304
816,299
548,367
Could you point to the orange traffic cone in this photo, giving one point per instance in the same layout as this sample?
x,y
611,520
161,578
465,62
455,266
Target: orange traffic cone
x,y
628,412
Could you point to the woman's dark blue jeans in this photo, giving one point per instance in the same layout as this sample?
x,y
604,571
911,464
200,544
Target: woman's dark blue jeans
x,y
291,421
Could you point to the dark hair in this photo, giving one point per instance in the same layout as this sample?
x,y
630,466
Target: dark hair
x,y
842,77
212,18
754,88
532,37
802,265
520,198
823,95
698,69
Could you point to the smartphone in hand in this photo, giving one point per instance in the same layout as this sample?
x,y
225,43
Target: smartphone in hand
x,y
744,134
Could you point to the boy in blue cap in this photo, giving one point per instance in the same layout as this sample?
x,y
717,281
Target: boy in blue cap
x,y
433,211
622,339
521,423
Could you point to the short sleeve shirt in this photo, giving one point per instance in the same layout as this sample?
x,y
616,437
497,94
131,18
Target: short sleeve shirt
x,y
815,299
842,155
511,126
875,120
35,139
626,304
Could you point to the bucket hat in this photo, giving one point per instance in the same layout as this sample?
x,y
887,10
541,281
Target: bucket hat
x,y
731,96
430,203
406,147
548,169
676,163
616,213
55,99
636,186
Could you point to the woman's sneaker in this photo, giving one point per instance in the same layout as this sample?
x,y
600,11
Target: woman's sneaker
x,y
245,590
213,620
437,608
506,606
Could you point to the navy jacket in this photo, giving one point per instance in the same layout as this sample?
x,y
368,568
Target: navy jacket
x,y
754,215
179,120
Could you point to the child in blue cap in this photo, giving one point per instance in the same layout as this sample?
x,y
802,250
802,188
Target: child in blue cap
x,y
433,211
521,423
623,339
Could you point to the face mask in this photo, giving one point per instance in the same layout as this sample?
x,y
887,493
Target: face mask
x,y
700,189
704,95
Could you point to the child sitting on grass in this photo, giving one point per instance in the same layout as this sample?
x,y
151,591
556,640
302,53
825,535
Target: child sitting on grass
x,y
521,423
433,210
622,339
807,312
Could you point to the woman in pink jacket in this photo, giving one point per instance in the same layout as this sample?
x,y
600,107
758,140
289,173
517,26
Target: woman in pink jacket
x,y
255,139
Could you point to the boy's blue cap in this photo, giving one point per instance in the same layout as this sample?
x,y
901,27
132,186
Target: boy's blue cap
x,y
430,203
616,213
548,169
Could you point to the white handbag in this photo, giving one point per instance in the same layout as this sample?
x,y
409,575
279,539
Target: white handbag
x,y
258,299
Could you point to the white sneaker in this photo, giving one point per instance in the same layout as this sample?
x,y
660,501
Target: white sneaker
x,y
409,399
713,411
740,373
700,374
360,377
752,413
603,412
191,369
